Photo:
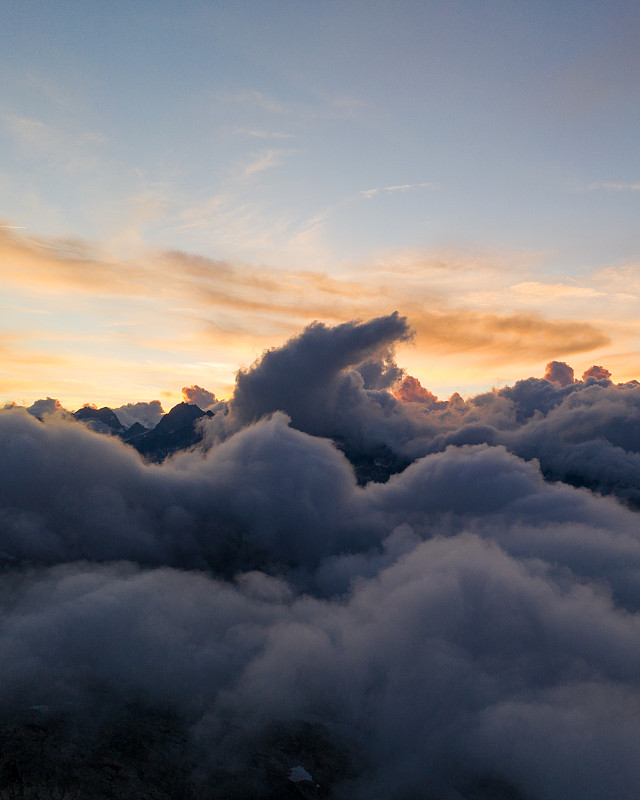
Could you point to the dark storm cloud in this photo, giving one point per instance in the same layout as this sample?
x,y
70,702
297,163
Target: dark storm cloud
x,y
455,662
591,439
315,379
268,496
381,372
585,433
473,623
68,494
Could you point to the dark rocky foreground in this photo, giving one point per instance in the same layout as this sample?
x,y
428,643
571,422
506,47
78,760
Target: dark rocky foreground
x,y
150,756
178,430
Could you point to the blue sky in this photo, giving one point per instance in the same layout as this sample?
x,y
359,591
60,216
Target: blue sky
x,y
339,139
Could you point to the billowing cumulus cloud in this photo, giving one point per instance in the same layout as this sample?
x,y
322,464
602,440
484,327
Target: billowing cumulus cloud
x,y
558,372
412,391
321,379
468,628
597,372
147,414
45,406
196,394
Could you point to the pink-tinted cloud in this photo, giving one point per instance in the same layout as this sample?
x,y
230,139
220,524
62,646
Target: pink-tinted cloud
x,y
45,406
597,372
412,391
196,394
559,372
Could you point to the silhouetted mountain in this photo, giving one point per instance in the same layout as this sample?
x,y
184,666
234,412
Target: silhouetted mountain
x,y
175,431
377,464
135,430
101,420
180,416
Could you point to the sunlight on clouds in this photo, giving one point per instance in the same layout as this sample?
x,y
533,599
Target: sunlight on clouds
x,y
554,290
202,216
146,320
516,336
625,278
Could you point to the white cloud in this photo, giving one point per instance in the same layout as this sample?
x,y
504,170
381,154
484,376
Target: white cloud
x,y
267,159
261,134
401,187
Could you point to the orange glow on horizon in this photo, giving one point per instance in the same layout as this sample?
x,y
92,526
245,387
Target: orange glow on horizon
x,y
84,326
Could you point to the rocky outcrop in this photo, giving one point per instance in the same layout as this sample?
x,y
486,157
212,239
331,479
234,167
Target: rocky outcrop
x,y
177,430
135,430
100,420
140,755
377,464
143,755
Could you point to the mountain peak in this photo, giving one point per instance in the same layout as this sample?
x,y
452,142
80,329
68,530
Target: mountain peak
x,y
102,420
179,417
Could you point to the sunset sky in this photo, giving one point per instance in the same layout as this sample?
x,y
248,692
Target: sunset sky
x,y
185,185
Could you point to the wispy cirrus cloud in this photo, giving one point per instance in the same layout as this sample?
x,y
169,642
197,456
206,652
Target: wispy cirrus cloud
x,y
262,134
403,187
615,187
315,106
31,132
203,310
521,335
44,138
266,159
252,97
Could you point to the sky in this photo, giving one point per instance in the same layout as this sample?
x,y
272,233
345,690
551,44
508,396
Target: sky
x,y
450,188
184,187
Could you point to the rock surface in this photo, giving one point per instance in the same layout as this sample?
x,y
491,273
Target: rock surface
x,y
143,755
101,420
177,430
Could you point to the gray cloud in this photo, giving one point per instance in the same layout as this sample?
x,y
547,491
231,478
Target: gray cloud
x,y
45,406
597,372
470,628
147,414
313,377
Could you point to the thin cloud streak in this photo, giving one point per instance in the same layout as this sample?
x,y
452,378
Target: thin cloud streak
x,y
405,187
260,134
264,161
616,187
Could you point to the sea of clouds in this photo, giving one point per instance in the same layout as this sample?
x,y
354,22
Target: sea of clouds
x,y
474,618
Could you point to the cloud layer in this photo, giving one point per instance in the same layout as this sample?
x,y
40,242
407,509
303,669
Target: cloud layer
x,y
469,628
